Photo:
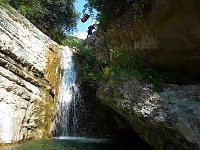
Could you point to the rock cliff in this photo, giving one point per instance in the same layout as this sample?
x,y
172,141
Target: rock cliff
x,y
165,120
29,75
165,35
166,117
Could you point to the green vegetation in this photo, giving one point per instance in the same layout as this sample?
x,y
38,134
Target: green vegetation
x,y
124,63
91,66
107,9
5,3
72,42
127,63
110,10
54,18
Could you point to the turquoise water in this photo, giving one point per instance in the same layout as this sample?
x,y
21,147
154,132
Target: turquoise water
x,y
77,143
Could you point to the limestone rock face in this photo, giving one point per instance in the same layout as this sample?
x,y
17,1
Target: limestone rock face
x,y
164,33
29,63
168,119
97,42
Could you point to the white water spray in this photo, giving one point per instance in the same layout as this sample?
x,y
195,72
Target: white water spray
x,y
67,89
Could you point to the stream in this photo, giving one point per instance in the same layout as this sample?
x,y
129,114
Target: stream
x,y
78,143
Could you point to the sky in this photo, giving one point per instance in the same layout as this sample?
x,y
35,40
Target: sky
x,y
82,27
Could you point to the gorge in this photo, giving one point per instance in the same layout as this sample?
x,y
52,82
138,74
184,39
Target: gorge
x,y
31,79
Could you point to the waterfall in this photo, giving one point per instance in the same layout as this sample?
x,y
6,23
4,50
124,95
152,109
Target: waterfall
x,y
71,106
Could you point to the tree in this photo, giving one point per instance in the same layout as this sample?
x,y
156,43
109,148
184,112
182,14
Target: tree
x,y
107,9
50,16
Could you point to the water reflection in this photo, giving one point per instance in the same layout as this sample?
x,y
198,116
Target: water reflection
x,y
77,143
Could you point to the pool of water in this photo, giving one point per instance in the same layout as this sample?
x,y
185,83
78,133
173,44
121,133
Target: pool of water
x,y
78,143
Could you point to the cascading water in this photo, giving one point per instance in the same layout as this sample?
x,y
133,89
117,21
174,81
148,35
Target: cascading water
x,y
73,122
68,95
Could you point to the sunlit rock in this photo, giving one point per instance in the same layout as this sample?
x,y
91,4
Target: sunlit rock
x,y
29,75
168,119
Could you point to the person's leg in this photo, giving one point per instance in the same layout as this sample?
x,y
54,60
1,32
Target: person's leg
x,y
89,33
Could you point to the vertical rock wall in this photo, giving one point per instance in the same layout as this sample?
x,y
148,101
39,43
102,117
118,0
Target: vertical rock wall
x,y
164,33
29,74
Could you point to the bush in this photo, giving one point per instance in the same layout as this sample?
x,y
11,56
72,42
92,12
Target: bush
x,y
51,17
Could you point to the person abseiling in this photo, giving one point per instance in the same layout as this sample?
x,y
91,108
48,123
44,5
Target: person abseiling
x,y
90,28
